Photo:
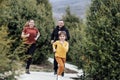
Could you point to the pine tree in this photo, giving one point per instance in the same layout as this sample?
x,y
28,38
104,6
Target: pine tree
x,y
103,35
16,13
76,29
7,64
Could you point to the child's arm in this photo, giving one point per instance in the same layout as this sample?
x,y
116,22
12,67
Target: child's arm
x,y
66,47
54,45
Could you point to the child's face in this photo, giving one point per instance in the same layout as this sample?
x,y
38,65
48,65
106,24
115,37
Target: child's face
x,y
62,37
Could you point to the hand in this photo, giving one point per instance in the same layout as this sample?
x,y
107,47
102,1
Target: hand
x,y
27,35
54,50
59,32
52,41
35,38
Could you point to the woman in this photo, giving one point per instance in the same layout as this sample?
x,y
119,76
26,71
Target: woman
x,y
30,34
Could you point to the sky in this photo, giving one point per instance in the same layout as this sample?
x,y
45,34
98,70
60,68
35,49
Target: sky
x,y
77,7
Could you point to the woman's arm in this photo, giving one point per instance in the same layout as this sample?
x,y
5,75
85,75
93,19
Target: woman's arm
x,y
23,35
38,34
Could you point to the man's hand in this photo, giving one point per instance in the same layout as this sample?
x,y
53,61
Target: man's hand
x,y
52,41
59,32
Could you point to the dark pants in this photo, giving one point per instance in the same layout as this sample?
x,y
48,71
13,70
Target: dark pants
x,y
55,65
30,53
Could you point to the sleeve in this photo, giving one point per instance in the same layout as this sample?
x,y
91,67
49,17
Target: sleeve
x,y
36,30
38,33
67,47
54,45
52,35
24,30
68,35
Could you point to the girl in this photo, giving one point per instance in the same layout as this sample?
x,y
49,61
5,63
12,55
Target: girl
x,y
60,47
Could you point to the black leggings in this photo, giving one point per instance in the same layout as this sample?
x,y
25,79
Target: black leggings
x,y
55,65
30,52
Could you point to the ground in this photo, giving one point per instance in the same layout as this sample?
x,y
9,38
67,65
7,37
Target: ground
x,y
48,67
45,72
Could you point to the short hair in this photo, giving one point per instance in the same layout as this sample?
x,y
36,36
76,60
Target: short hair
x,y
61,20
62,33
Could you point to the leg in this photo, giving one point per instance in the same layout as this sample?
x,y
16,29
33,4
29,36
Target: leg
x,y
55,66
29,61
64,60
30,52
61,65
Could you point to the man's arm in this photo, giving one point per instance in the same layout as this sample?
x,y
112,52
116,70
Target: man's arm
x,y
68,35
52,36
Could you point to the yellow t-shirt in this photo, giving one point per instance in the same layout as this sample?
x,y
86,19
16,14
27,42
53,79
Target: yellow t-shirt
x,y
61,49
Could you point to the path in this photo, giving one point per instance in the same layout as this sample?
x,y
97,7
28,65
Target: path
x,y
50,75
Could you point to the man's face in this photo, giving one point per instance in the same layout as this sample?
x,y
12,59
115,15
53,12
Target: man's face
x,y
60,24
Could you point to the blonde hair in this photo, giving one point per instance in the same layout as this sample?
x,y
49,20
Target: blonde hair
x,y
26,24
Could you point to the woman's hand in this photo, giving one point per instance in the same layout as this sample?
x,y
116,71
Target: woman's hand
x,y
27,35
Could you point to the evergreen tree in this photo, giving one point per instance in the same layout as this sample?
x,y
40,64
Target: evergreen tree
x,y
15,13
103,35
76,28
7,64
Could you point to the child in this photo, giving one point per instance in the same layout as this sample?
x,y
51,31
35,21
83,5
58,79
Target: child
x,y
60,47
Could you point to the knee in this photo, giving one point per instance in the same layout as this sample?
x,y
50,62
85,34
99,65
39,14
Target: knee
x,y
61,66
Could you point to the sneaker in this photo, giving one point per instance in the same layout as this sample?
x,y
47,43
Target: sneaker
x,y
27,71
59,77
62,74
55,72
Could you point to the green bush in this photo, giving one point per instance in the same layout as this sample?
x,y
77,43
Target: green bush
x,y
15,15
103,40
7,65
76,42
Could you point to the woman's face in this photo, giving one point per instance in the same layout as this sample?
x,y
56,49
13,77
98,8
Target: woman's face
x,y
31,23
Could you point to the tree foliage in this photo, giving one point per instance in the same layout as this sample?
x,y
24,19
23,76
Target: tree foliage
x,y
103,35
7,64
15,13
76,29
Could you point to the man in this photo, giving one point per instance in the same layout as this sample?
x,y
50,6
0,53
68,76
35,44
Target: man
x,y
54,36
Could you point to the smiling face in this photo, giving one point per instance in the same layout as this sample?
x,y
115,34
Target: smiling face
x,y
31,23
62,37
60,24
